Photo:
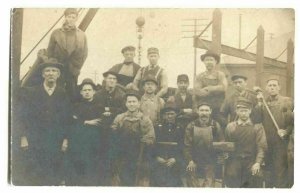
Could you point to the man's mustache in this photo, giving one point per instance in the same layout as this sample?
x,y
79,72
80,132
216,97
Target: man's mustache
x,y
204,116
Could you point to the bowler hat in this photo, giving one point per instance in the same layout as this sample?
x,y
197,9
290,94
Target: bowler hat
x,y
212,54
52,62
87,81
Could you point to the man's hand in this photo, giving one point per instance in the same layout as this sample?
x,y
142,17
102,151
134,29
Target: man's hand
x,y
188,111
160,160
255,169
64,146
94,122
260,96
107,114
221,158
24,143
203,92
171,162
191,167
282,133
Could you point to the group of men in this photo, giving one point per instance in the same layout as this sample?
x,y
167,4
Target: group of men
x,y
126,134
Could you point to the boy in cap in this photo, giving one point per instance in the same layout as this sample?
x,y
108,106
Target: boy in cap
x,y
228,108
151,104
210,86
68,45
167,153
134,133
201,158
281,108
243,167
128,69
88,142
184,100
154,70
45,120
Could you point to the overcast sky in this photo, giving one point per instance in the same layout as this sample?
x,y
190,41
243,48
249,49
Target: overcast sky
x,y
112,29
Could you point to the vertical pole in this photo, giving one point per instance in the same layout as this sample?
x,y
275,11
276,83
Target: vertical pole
x,y
139,49
15,56
216,31
195,51
289,68
240,31
260,54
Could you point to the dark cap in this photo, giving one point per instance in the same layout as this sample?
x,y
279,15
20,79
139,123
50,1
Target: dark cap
x,y
87,81
69,11
212,54
52,62
243,103
203,104
153,50
128,48
134,93
105,74
182,77
170,106
237,76
149,78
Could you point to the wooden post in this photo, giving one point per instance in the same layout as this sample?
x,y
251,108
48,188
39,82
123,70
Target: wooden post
x,y
216,31
15,56
195,51
290,68
260,54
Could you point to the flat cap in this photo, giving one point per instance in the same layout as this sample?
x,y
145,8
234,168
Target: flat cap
x,y
153,50
149,78
128,48
132,92
242,102
87,81
69,11
183,77
237,76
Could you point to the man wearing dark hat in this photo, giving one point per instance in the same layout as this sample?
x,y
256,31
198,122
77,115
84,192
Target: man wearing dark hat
x,y
134,133
184,100
281,108
88,140
128,69
154,70
151,104
45,120
111,97
68,45
200,157
210,86
228,108
243,167
167,152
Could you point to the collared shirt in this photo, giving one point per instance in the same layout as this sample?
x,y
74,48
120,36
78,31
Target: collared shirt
x,y
146,126
244,123
49,90
151,106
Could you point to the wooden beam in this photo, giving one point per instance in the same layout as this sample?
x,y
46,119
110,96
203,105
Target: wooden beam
x,y
289,68
260,51
231,51
216,32
87,19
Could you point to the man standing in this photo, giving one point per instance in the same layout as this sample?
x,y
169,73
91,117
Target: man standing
x,y
111,97
168,149
87,150
210,86
151,104
135,133
128,69
282,110
228,108
46,120
68,45
184,101
244,164
154,70
198,152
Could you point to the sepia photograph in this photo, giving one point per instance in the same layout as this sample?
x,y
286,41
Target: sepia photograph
x,y
152,97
